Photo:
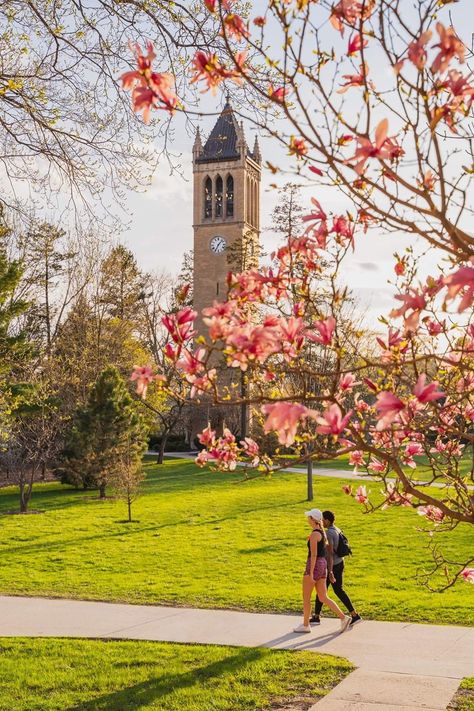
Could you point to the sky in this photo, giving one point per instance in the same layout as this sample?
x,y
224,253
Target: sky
x,y
161,228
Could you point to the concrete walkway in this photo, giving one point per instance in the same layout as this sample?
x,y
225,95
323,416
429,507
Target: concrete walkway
x,y
401,667
317,471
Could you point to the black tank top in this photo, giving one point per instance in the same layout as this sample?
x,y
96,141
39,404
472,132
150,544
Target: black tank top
x,y
321,550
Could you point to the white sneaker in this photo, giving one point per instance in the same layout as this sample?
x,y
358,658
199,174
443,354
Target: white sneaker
x,y
302,628
345,622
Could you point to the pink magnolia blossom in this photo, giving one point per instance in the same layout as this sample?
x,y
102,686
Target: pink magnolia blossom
x,y
325,330
298,147
428,181
347,382
361,495
434,327
235,27
433,513
277,94
202,458
180,324
394,339
212,4
201,383
347,489
376,466
400,267
284,418
143,375
367,149
149,89
317,214
348,12
332,422
192,363
251,450
208,68
343,228
461,282
449,46
413,301
365,219
316,170
354,79
356,459
417,50
259,21
249,343
413,449
389,407
356,43
426,393
394,497
468,575
207,436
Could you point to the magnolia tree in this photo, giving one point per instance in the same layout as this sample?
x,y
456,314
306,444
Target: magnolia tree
x,y
396,142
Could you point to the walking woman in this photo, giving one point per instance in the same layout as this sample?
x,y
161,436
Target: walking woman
x,y
316,572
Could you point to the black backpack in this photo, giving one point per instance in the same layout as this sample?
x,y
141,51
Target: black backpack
x,y
343,547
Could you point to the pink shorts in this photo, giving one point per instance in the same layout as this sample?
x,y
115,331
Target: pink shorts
x,y
320,568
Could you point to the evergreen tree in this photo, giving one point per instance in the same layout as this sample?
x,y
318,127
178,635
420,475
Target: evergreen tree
x,y
108,433
14,345
121,285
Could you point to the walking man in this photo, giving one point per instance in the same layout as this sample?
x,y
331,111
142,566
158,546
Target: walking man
x,y
335,570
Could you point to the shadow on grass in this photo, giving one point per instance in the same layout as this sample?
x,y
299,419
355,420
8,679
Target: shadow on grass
x,y
146,692
78,540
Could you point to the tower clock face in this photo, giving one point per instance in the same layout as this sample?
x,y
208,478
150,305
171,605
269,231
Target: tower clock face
x,y
218,244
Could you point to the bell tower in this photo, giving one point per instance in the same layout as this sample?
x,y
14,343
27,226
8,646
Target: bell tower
x,y
226,207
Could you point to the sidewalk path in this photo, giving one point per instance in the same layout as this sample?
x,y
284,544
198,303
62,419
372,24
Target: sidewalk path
x,y
317,471
401,667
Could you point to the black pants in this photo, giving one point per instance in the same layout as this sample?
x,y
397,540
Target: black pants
x,y
338,571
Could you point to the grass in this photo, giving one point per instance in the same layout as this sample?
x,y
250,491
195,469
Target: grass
x,y
97,675
464,698
207,539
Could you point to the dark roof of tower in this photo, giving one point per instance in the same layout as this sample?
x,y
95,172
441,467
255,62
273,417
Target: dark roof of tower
x,y
222,141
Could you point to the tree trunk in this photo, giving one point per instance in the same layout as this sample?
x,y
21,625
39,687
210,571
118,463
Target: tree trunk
x,y
310,480
24,498
161,451
129,503
23,502
102,491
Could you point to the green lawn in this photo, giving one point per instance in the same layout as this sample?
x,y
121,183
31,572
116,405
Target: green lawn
x,y
97,675
464,699
210,540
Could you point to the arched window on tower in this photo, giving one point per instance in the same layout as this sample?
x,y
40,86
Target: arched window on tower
x,y
248,201
219,196
208,198
229,196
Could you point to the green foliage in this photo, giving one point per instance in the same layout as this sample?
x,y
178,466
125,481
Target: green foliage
x,y
51,675
464,698
206,540
122,285
108,432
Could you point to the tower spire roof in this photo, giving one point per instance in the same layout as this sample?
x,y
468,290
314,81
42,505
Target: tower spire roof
x,y
223,139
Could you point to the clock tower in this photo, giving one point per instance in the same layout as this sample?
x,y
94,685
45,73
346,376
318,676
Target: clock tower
x,y
226,208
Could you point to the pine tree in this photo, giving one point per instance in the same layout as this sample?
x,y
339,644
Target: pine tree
x,y
14,346
108,433
122,285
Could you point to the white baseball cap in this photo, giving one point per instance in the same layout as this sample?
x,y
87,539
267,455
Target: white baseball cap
x,y
315,513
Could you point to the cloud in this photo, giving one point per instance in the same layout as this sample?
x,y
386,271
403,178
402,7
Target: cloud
x,y
369,266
